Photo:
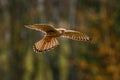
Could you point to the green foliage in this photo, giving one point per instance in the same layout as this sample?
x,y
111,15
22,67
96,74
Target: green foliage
x,y
71,60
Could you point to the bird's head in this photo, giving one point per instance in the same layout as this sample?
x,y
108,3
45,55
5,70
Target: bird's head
x,y
61,30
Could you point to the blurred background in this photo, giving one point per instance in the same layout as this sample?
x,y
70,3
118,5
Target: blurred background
x,y
71,60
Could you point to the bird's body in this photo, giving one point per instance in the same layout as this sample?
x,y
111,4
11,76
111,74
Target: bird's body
x,y
49,41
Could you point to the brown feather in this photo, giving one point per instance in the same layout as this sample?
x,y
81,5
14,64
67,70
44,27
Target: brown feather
x,y
46,43
75,35
50,41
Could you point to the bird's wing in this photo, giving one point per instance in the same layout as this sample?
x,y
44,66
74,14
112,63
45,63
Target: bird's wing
x,y
42,27
75,35
46,43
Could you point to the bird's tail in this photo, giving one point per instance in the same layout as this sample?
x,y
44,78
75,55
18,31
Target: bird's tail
x,y
46,43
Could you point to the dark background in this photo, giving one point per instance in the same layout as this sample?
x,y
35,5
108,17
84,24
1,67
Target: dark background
x,y
71,60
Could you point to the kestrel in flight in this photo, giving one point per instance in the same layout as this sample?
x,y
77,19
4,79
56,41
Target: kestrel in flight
x,y
51,33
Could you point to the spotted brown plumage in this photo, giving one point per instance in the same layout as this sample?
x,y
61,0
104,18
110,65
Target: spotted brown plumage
x,y
49,40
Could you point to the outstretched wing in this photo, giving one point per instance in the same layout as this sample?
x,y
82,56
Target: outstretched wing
x,y
42,27
75,35
46,43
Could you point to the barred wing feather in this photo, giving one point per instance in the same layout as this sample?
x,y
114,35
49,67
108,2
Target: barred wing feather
x,y
75,35
42,27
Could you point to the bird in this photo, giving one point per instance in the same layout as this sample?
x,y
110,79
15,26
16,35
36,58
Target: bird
x,y
49,40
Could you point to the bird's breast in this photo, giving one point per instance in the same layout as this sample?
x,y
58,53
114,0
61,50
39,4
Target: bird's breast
x,y
53,34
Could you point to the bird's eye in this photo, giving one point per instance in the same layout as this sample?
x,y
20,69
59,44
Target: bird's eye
x,y
62,31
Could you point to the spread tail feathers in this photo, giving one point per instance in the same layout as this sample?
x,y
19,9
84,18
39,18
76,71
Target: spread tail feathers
x,y
46,43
